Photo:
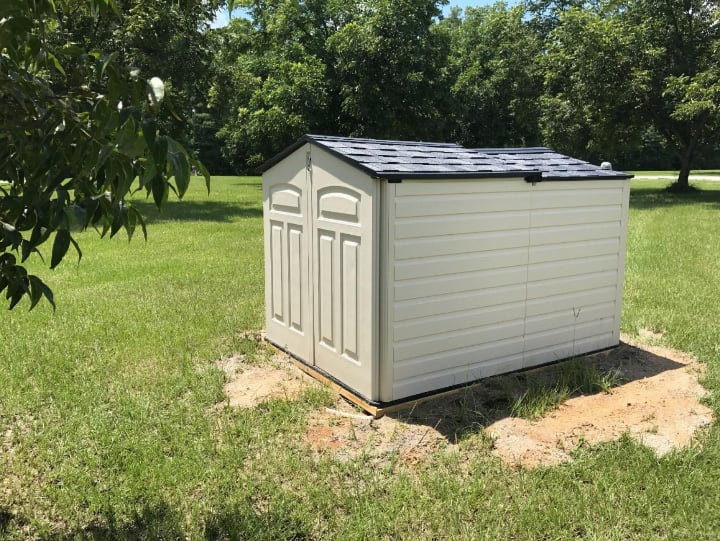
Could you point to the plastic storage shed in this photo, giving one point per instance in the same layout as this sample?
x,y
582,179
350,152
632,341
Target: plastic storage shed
x,y
400,268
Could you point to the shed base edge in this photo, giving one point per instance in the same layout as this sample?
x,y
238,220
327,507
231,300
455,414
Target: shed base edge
x,y
377,408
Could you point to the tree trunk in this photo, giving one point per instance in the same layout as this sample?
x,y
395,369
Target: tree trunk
x,y
683,181
682,184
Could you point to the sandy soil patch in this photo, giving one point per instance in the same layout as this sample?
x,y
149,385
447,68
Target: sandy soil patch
x,y
248,385
657,403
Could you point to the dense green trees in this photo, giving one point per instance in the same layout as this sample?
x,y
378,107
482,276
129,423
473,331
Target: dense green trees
x,y
617,72
632,81
496,80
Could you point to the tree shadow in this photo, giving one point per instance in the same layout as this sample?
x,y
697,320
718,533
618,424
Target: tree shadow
x,y
643,197
152,521
472,409
197,211
5,519
163,521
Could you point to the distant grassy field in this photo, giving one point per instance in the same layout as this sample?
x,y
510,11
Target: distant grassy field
x,y
107,428
701,172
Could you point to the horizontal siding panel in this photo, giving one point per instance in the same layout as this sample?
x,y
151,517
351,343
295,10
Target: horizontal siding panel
x,y
593,328
460,244
427,326
456,283
562,185
460,204
425,267
560,286
466,359
457,376
576,215
453,187
553,353
409,228
582,197
440,343
546,339
573,267
574,233
569,317
472,355
596,343
574,250
468,300
574,300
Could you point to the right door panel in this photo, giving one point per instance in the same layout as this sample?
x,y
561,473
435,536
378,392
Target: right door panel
x,y
343,260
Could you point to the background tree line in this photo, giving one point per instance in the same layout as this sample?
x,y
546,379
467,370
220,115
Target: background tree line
x,y
101,98
636,82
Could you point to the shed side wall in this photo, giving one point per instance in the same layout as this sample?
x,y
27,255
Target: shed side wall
x,y
492,276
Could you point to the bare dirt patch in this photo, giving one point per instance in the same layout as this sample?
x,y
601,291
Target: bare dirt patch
x,y
247,385
658,405
657,402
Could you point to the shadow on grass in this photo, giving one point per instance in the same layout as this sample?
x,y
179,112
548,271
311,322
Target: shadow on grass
x,y
649,197
5,519
161,521
197,211
474,408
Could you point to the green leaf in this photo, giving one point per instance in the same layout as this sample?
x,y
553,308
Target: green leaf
x,y
136,218
203,171
180,168
60,247
56,63
15,296
159,188
38,289
117,221
27,249
77,249
129,141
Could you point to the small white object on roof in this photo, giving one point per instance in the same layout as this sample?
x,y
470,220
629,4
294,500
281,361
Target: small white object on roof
x,y
607,166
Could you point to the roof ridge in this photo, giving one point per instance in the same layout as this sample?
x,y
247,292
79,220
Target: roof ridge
x,y
321,138
394,160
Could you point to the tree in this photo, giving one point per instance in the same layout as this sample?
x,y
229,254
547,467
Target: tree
x,y
270,80
682,101
593,85
373,68
497,81
390,68
621,70
73,142
162,38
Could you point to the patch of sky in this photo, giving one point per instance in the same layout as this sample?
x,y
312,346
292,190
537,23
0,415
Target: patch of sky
x,y
222,17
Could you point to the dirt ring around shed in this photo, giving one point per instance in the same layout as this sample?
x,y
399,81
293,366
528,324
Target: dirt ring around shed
x,y
658,402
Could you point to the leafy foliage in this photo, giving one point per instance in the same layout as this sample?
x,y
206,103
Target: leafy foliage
x,y
497,81
74,141
617,71
600,79
371,69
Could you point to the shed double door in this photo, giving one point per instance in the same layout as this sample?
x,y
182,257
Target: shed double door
x,y
319,272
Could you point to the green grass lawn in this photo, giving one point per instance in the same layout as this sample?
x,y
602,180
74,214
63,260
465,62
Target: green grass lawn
x,y
107,428
700,172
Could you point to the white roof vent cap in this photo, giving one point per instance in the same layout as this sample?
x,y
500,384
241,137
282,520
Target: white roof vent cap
x,y
606,165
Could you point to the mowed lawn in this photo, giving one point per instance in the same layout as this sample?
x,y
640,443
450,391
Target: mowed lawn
x,y
108,427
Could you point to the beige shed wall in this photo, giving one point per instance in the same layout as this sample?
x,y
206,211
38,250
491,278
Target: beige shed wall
x,y
489,276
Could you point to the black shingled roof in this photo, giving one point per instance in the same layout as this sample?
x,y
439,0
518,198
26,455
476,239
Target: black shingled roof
x,y
395,160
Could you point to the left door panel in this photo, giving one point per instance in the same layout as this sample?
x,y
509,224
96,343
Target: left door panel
x,y
287,281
